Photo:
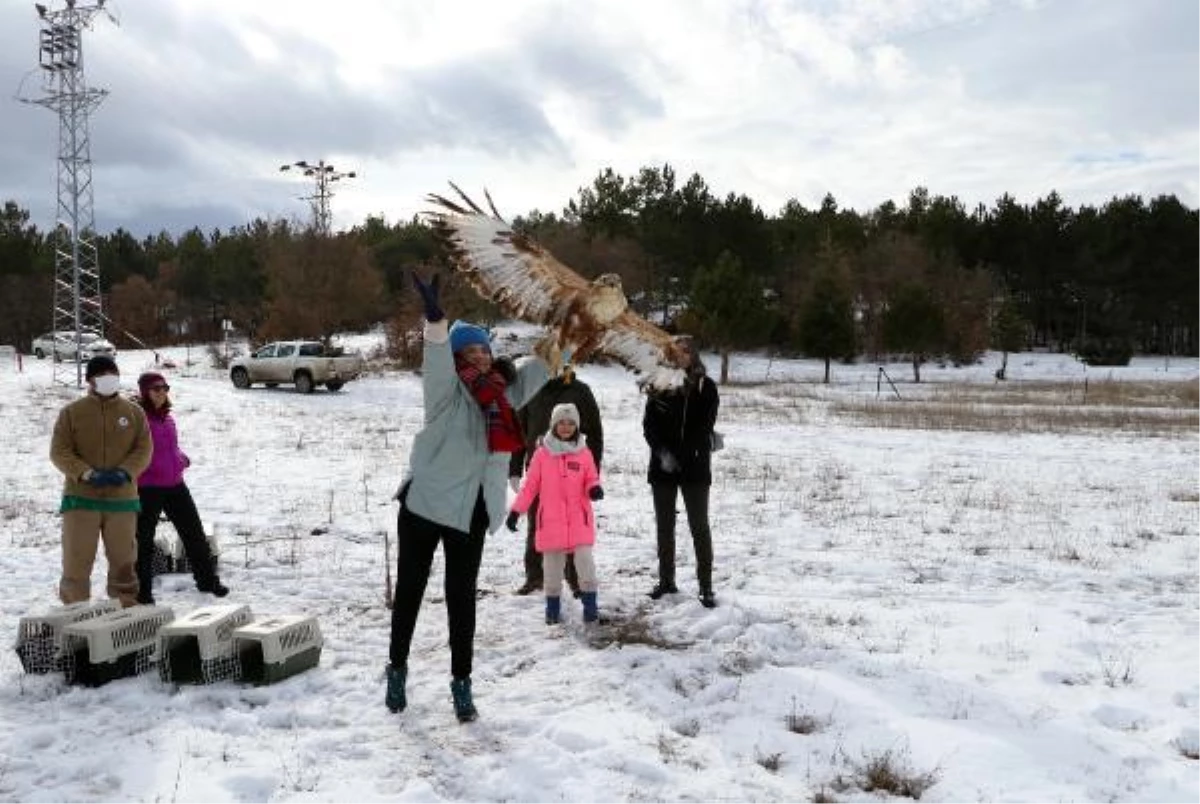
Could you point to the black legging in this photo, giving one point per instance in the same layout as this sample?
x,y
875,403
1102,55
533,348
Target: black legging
x,y
416,541
695,501
176,502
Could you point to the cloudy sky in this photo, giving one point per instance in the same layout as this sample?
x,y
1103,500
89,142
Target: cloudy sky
x,y
777,99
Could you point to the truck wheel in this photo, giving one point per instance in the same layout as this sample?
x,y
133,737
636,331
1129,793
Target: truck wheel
x,y
39,354
304,383
334,385
240,377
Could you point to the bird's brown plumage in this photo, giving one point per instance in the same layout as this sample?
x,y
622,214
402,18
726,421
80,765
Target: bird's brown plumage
x,y
528,282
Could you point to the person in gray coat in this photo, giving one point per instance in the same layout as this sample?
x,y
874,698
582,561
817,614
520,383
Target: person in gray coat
x,y
454,492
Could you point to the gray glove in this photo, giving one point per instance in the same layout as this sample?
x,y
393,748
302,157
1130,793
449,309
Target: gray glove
x,y
667,461
514,483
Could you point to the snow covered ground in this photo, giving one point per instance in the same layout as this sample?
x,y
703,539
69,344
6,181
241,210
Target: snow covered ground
x,y
963,615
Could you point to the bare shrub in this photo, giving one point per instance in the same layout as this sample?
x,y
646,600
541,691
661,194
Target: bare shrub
x,y
403,343
890,773
218,357
1116,666
801,721
1187,748
769,762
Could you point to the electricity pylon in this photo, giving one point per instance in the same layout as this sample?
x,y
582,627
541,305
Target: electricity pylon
x,y
324,175
77,303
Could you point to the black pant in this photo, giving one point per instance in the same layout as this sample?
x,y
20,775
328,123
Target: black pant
x,y
695,500
176,502
416,541
533,559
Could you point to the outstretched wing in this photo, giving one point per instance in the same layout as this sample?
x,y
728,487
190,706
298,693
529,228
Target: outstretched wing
x,y
644,349
512,270
527,282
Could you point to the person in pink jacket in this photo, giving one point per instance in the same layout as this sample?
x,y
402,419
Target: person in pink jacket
x,y
162,491
563,478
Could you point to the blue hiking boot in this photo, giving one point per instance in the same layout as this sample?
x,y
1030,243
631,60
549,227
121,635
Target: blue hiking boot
x,y
590,612
396,700
464,707
553,610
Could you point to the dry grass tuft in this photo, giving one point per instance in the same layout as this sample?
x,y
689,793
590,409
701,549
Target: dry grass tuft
x,y
769,762
1152,409
888,772
801,721
1187,749
633,629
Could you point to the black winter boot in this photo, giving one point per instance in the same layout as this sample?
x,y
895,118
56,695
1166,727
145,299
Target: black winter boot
x,y
395,699
663,588
214,587
464,706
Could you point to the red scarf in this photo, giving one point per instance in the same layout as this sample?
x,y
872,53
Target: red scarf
x,y
503,430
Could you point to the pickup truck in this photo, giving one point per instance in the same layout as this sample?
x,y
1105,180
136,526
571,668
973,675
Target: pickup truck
x,y
306,364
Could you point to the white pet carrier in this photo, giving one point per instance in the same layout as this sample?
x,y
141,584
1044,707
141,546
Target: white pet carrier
x,y
40,636
115,645
274,648
198,647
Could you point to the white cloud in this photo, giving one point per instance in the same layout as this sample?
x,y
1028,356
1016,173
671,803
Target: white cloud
x,y
769,98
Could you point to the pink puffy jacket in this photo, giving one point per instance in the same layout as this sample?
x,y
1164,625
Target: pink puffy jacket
x,y
560,483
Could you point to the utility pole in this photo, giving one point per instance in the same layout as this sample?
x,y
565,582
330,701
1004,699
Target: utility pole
x,y
324,175
77,303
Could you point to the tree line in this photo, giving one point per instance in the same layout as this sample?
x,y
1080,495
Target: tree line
x,y
927,280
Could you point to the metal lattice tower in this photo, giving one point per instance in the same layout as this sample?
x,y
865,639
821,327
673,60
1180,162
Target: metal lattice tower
x,y
77,302
324,175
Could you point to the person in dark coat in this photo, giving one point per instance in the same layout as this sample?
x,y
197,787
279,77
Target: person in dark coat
x,y
678,426
534,417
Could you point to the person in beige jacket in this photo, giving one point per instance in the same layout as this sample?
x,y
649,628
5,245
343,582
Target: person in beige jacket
x,y
101,443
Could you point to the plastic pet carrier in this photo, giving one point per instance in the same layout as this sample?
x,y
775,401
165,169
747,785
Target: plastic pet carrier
x,y
115,645
40,636
198,647
275,648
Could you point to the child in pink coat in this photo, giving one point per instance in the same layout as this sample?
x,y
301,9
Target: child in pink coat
x,y
562,476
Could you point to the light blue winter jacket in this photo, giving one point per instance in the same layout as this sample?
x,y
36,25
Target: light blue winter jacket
x,y
450,458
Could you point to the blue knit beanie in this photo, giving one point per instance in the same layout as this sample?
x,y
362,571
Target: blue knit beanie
x,y
464,334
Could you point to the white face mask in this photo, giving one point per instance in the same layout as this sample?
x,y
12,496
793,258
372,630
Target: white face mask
x,y
107,384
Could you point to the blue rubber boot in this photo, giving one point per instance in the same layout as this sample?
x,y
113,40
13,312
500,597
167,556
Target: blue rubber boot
x,y
395,699
464,706
590,612
553,610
